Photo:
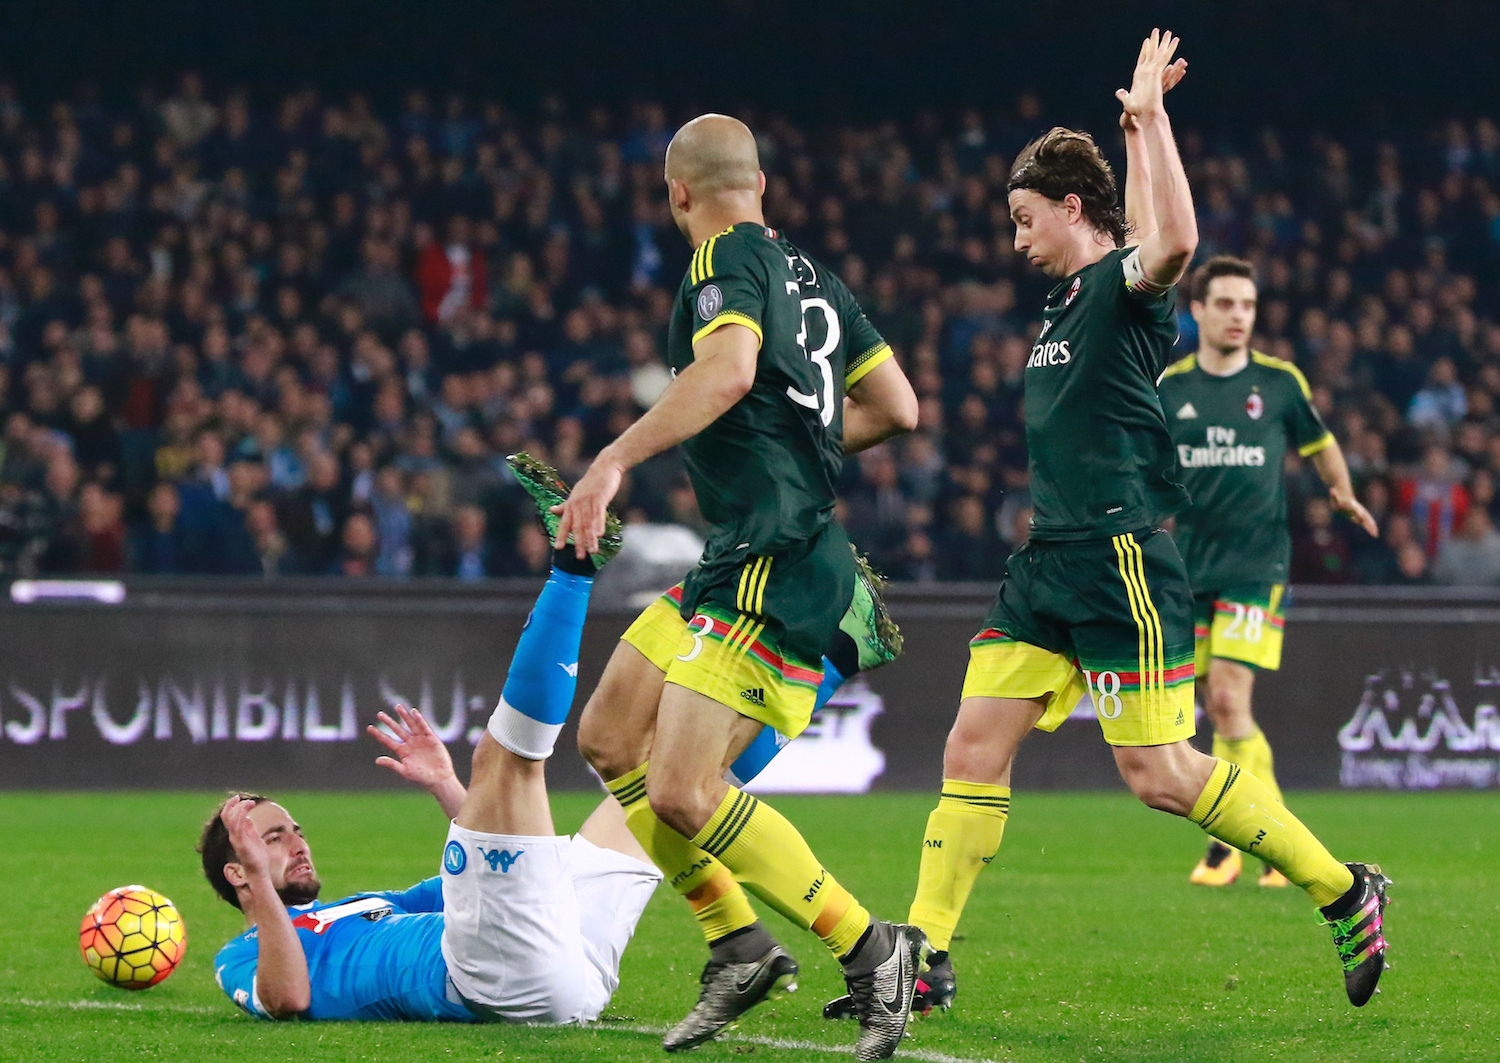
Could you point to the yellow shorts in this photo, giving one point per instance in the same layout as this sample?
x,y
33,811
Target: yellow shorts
x,y
726,656
1244,623
658,631
1129,714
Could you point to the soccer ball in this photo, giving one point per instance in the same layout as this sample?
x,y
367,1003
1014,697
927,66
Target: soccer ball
x,y
132,937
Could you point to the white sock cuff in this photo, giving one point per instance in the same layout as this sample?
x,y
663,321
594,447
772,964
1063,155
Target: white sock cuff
x,y
519,733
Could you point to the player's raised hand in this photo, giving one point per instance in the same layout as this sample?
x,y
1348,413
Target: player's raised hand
x,y
1170,76
587,506
1143,99
420,756
1344,502
253,855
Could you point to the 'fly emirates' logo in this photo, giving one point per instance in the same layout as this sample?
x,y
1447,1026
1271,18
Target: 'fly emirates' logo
x,y
1220,450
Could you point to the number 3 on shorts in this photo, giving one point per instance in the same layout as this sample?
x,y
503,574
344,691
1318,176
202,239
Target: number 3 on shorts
x,y
697,632
1104,688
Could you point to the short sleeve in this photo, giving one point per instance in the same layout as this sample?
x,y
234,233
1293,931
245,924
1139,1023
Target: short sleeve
x,y
234,970
425,896
866,347
1156,300
726,286
1304,425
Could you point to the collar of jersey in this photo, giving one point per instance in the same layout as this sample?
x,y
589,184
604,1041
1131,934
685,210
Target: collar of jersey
x,y
1058,289
1249,360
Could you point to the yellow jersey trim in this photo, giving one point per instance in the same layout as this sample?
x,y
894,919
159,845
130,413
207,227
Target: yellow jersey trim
x,y
1182,365
1309,449
861,366
1286,367
732,317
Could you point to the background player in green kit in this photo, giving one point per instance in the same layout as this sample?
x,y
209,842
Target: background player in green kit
x,y
763,344
1099,601
1233,414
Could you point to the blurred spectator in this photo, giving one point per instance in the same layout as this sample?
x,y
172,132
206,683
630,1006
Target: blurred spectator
x,y
451,276
1319,553
1471,558
970,549
157,545
1435,498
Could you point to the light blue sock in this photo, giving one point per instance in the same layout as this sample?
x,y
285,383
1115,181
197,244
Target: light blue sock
x,y
543,672
769,742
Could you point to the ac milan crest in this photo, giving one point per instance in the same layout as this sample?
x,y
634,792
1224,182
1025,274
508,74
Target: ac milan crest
x,y
1073,291
1255,405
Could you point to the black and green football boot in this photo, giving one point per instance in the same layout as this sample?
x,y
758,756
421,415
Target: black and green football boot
x,y
547,489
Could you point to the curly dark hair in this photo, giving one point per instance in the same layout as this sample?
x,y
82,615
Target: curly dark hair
x,y
1062,162
214,847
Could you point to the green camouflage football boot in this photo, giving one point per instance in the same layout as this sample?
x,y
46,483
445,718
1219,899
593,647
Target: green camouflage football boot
x,y
868,622
547,489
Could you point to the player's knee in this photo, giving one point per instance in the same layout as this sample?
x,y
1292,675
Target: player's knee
x,y
600,744
1156,782
967,756
1226,703
681,804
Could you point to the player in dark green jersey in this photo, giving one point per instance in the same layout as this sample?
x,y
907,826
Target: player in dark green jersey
x,y
1098,601
778,374
1233,414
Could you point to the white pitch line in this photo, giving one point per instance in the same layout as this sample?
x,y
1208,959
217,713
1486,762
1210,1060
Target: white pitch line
x,y
115,1005
927,1055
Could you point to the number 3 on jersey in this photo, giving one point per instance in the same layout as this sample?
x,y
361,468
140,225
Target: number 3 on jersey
x,y
824,402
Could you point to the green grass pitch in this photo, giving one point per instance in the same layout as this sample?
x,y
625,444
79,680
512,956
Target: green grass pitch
x,y
1083,941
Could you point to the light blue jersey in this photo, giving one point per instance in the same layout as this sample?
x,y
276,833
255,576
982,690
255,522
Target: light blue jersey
x,y
370,956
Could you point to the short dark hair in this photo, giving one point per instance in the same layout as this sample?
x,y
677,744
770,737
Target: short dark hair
x,y
214,847
1216,267
1061,162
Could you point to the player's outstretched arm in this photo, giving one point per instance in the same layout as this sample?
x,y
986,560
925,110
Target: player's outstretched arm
x,y
281,980
880,406
1166,252
722,373
1140,214
420,757
1334,471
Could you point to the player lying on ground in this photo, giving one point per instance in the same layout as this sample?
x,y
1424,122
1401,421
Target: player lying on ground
x,y
764,343
1233,414
522,924
1099,600
745,964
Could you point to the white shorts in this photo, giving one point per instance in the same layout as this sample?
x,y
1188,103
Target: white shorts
x,y
534,928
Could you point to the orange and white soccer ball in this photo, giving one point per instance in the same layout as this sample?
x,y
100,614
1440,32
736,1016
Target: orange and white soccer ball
x,y
132,937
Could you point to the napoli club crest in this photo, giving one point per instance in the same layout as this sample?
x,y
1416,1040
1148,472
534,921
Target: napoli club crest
x,y
1255,405
1073,291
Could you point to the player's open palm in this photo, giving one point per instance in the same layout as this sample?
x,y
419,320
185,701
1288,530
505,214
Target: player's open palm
x,y
420,756
1170,76
248,845
1144,97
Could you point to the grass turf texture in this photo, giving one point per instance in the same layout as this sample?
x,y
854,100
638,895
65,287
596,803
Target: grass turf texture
x,y
1084,941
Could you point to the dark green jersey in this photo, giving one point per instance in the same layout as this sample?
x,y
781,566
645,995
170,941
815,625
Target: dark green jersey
x,y
765,471
1100,457
1232,434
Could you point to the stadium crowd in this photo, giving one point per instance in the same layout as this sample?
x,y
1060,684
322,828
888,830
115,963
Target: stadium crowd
x,y
299,335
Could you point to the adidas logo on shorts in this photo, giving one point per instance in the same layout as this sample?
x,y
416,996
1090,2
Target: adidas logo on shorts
x,y
755,696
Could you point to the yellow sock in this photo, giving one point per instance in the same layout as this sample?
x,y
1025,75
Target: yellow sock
x,y
717,901
1253,753
1240,810
963,835
765,853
